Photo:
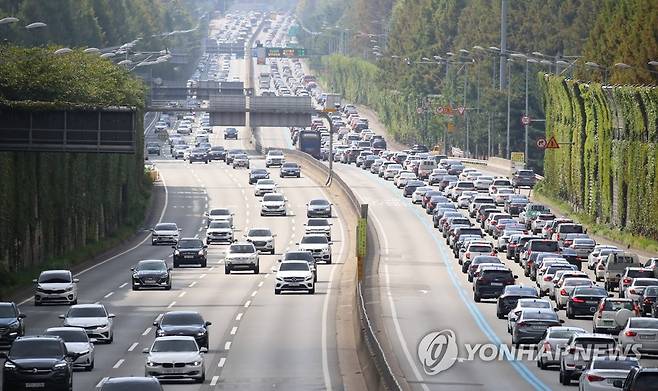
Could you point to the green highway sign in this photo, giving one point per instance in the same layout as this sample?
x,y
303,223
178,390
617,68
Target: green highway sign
x,y
285,52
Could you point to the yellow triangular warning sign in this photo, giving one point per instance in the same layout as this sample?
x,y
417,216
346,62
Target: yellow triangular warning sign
x,y
552,143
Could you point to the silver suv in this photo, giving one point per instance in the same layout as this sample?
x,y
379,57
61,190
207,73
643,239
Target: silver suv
x,y
241,255
56,286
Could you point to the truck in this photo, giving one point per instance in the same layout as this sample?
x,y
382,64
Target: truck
x,y
309,141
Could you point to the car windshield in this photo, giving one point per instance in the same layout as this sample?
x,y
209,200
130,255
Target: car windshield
x,y
576,282
174,345
593,342
258,172
314,240
259,232
534,304
647,282
651,291
241,248
294,266
217,149
503,273
564,333
36,348
522,291
643,323
219,212
151,265
319,202
547,246
70,335
87,312
616,305
166,227
7,311
540,315
220,224
317,223
266,182
480,248
478,260
646,381
55,277
639,273
289,165
614,363
181,319
273,197
590,292
190,243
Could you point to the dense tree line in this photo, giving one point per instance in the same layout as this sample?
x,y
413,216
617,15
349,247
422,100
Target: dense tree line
x,y
574,31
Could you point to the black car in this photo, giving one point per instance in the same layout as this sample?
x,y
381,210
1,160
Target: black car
x,y
510,297
258,173
418,148
12,325
153,149
131,383
584,301
151,273
491,283
638,379
190,251
290,169
524,178
187,323
217,153
647,300
230,133
198,155
38,361
411,186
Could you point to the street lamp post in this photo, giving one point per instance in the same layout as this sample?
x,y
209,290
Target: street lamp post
x,y
509,92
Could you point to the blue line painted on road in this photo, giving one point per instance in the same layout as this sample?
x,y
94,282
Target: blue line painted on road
x,y
480,320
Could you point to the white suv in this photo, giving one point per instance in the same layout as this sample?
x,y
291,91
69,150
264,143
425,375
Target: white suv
x,y
273,204
274,158
294,275
241,255
318,245
56,286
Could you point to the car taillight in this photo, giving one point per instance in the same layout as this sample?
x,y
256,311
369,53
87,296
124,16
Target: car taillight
x,y
521,324
494,222
572,350
632,291
594,378
563,292
493,253
547,347
630,333
568,242
577,300
601,266
627,280
468,255
548,278
647,301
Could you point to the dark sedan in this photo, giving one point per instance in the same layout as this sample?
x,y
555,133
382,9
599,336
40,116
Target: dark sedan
x,y
230,133
411,186
290,169
510,297
151,273
186,323
190,251
258,173
12,325
647,300
217,153
584,301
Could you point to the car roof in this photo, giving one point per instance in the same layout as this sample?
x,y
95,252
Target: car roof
x,y
131,380
174,337
93,305
65,328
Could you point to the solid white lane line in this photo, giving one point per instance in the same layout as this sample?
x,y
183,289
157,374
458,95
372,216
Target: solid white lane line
x,y
227,345
162,212
221,363
118,364
123,285
254,293
212,268
133,346
234,330
202,276
148,330
173,303
100,383
214,380
193,283
260,284
239,316
108,295
183,293
247,303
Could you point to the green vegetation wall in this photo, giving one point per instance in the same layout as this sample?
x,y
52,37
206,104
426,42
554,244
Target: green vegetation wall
x,y
54,203
606,164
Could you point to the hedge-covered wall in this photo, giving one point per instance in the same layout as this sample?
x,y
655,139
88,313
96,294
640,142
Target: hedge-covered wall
x,y
606,164
54,203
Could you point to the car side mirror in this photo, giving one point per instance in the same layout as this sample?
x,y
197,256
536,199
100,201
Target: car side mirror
x,y
93,340
155,323
21,316
611,295
297,243
34,280
132,269
61,316
516,276
76,280
205,246
145,350
174,247
169,269
561,321
208,323
274,235
180,229
203,350
111,316
556,309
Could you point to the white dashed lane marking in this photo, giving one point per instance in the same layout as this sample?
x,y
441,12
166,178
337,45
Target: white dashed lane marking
x,y
133,346
148,330
118,364
222,361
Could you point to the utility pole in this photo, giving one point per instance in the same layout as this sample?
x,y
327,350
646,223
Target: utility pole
x,y
466,111
503,41
526,112
507,152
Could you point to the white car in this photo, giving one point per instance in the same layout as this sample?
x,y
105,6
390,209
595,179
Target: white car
x,y
161,126
636,289
76,341
391,171
56,286
175,357
563,291
274,158
264,186
603,371
501,195
640,332
220,214
241,255
294,275
273,204
417,195
465,199
318,226
600,250
402,178
94,318
498,184
219,231
262,239
318,245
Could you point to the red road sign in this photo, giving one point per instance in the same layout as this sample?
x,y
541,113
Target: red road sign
x,y
461,110
525,120
552,143
419,110
541,143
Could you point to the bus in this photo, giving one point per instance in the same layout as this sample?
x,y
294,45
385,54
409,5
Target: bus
x,y
309,141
